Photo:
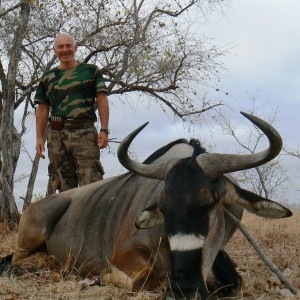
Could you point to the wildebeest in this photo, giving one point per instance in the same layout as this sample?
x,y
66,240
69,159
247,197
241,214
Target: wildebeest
x,y
162,220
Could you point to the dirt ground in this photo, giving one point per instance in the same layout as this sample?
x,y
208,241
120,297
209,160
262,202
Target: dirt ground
x,y
280,239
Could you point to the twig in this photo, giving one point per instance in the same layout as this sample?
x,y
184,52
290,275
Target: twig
x,y
261,253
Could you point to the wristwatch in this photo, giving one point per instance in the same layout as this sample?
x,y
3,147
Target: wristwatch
x,y
105,130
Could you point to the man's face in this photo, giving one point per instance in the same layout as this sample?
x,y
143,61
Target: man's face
x,y
65,48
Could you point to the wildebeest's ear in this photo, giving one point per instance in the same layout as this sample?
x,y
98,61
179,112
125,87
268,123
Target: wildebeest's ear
x,y
150,217
261,206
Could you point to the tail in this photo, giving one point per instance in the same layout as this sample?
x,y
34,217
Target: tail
x,y
5,263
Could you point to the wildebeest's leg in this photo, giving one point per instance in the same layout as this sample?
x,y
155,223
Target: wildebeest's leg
x,y
35,226
227,278
132,270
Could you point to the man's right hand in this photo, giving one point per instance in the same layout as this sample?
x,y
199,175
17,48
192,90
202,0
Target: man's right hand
x,y
40,148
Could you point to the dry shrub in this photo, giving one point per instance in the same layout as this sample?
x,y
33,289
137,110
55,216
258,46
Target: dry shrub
x,y
280,239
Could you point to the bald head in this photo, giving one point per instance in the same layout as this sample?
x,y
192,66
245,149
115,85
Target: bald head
x,y
65,48
64,38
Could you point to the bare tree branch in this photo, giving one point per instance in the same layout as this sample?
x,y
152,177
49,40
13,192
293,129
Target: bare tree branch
x,y
293,153
11,9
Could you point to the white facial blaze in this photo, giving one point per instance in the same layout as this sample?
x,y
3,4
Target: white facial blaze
x,y
186,242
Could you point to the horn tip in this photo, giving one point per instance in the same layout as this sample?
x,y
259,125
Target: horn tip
x,y
252,118
245,114
142,126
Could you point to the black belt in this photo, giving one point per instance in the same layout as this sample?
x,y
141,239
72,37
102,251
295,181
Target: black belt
x,y
59,123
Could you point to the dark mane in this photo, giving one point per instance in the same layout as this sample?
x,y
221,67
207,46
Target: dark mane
x,y
158,153
198,149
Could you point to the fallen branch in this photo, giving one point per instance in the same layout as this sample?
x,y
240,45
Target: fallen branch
x,y
261,253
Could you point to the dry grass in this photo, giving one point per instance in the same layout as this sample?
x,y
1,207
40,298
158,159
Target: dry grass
x,y
280,239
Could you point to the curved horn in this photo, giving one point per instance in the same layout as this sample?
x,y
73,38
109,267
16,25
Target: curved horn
x,y
155,171
214,164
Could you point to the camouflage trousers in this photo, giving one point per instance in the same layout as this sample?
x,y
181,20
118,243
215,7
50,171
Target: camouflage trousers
x,y
74,158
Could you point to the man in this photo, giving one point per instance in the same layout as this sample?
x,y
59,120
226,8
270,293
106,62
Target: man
x,y
69,92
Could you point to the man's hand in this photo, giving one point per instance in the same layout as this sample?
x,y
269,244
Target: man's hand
x,y
40,148
102,140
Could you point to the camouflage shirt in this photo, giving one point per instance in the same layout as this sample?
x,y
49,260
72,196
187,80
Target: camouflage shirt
x,y
71,93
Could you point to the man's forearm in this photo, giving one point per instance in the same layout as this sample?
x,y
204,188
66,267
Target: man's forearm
x,y
41,120
103,109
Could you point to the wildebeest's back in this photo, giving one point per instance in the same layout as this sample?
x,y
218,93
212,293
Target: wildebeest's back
x,y
101,215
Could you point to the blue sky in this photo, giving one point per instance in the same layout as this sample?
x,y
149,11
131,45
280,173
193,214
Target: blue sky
x,y
264,39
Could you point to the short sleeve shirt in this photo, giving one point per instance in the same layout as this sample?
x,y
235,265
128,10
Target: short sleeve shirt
x,y
71,93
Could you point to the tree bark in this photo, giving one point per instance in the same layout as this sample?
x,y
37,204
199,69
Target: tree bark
x,y
10,139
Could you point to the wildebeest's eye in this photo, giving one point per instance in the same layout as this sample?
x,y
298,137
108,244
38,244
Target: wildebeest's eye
x,y
216,196
205,197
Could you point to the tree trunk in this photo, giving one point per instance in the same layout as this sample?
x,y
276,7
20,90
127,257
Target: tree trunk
x,y
31,181
10,139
